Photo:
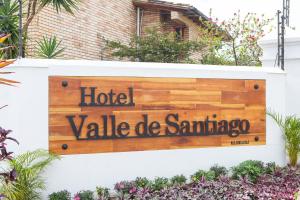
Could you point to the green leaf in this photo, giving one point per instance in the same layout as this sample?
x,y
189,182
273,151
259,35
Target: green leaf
x,y
290,127
155,47
29,167
49,48
67,5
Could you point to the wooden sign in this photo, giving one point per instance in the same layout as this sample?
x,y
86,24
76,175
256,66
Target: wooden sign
x,y
118,114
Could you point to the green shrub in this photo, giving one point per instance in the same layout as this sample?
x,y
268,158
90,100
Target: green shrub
x,y
270,167
207,175
49,48
219,171
61,195
86,195
102,193
156,46
29,183
290,127
249,168
9,24
178,180
159,183
142,182
124,187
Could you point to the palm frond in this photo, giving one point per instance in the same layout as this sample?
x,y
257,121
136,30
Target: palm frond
x,y
277,118
4,63
290,127
5,81
49,48
67,5
9,10
7,47
3,37
29,183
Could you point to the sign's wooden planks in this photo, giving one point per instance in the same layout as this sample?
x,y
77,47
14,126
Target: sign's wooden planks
x,y
116,114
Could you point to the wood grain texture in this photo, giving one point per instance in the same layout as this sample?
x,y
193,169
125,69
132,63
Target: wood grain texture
x,y
193,99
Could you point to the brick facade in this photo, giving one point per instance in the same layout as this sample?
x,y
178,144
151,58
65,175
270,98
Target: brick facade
x,y
83,34
162,20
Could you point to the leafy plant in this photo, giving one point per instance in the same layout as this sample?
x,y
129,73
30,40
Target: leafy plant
x,y
178,180
85,195
270,168
6,155
282,184
274,183
29,168
4,63
9,20
214,58
49,48
159,183
203,175
142,182
11,174
34,7
9,27
250,169
125,188
290,127
219,171
61,195
102,193
240,46
156,47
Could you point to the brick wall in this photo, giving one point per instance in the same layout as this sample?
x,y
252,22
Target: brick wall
x,y
152,18
82,34
193,31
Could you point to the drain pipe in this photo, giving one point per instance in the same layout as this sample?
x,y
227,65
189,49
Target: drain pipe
x,y
138,21
138,27
20,53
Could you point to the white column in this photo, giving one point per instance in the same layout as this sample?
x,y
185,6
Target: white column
x,y
292,69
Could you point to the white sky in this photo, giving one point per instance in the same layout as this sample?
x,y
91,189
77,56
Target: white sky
x,y
224,9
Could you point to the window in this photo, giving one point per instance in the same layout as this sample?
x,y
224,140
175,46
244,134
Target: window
x,y
165,16
179,33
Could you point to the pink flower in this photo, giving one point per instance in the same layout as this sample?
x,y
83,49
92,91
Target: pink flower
x,y
77,197
133,190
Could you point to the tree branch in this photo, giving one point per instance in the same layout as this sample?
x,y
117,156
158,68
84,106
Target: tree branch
x,y
31,16
234,52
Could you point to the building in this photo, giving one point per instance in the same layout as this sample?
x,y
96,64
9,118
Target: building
x,y
83,35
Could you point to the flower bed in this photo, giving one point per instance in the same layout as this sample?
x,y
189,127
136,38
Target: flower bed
x,y
249,180
282,184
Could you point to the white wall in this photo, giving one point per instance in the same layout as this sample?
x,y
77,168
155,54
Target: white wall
x,y
27,116
292,69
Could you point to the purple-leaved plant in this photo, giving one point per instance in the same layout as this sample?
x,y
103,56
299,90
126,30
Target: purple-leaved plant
x,y
6,155
281,184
